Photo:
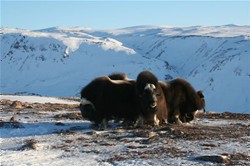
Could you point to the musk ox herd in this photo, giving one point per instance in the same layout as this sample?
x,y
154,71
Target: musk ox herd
x,y
144,100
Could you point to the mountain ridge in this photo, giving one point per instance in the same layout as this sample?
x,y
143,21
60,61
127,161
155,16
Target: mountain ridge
x,y
59,61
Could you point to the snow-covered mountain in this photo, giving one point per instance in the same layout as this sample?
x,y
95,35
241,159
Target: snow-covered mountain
x,y
59,61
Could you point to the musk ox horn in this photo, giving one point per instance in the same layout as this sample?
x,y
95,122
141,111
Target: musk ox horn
x,y
149,86
84,101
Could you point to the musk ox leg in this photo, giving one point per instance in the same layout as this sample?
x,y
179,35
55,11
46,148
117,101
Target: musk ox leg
x,y
104,124
195,113
139,122
156,121
177,114
177,117
204,108
177,120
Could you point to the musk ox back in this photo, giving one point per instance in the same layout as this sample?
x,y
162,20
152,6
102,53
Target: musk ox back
x,y
150,99
118,76
104,99
182,100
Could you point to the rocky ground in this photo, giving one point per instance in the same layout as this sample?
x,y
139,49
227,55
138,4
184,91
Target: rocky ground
x,y
59,129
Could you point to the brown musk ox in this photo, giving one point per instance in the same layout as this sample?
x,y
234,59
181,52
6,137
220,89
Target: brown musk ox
x,y
182,100
104,99
151,103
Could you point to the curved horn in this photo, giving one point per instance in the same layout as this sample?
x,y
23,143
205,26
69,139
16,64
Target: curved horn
x,y
149,86
84,101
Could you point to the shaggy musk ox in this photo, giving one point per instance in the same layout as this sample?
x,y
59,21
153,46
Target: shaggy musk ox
x,y
183,101
104,99
150,99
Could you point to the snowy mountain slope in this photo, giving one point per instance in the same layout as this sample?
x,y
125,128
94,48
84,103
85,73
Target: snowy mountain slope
x,y
60,61
218,65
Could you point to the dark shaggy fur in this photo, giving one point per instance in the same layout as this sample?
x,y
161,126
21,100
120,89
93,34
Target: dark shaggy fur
x,y
109,99
202,97
118,76
150,98
182,100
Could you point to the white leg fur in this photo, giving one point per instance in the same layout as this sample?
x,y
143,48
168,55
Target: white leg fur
x,y
196,112
156,121
177,120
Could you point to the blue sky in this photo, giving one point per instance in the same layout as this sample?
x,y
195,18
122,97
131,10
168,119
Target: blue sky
x,y
120,14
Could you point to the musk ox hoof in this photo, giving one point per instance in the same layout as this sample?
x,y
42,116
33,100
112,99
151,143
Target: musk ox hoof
x,y
178,122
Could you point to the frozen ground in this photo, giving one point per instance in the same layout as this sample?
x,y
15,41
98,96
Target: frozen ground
x,y
46,133
37,99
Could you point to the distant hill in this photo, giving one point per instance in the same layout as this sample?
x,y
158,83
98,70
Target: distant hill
x,y
59,61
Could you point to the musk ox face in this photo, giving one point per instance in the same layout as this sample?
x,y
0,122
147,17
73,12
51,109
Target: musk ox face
x,y
87,109
149,97
149,103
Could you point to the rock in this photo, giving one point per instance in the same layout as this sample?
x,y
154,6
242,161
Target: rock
x,y
13,119
6,102
214,158
59,124
16,104
30,144
29,106
209,145
143,134
151,134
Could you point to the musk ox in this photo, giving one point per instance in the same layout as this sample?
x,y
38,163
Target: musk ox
x,y
104,99
150,99
182,100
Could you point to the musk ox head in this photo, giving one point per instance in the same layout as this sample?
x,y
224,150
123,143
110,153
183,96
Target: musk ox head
x,y
88,110
147,89
149,96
